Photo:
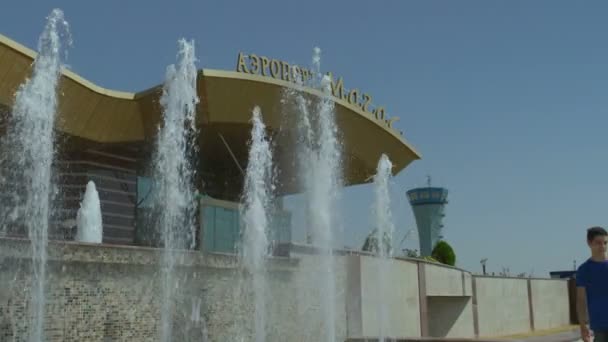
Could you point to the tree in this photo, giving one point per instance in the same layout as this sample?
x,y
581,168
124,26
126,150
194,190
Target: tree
x,y
411,253
371,243
444,253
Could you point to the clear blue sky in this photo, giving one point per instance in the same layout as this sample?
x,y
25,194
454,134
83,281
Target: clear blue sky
x,y
506,100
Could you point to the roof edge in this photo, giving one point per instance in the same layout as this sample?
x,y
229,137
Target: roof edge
x,y
31,54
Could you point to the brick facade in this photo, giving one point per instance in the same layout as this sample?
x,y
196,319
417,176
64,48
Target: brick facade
x,y
111,293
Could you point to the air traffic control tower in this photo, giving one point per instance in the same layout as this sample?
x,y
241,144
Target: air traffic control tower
x,y
428,205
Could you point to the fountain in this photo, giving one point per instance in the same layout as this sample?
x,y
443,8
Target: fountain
x,y
29,146
173,174
255,217
384,236
90,228
323,195
31,139
319,165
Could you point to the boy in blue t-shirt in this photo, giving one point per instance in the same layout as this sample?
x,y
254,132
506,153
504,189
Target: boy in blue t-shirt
x,y
592,288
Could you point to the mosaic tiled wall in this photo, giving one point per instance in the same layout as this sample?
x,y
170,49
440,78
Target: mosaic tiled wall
x,y
98,293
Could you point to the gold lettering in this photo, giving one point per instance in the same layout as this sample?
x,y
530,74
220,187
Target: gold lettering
x,y
379,113
305,74
275,67
337,88
255,64
353,96
265,61
390,121
241,66
368,100
296,74
286,75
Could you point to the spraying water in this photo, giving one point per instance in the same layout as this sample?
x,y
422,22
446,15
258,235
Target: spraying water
x,y
90,227
257,199
384,236
320,170
323,196
173,173
30,150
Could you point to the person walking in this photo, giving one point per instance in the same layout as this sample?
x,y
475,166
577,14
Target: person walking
x,y
592,288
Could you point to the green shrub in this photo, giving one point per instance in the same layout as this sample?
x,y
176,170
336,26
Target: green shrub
x,y
444,253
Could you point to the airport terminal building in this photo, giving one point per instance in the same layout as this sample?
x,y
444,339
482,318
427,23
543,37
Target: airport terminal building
x,y
117,291
108,136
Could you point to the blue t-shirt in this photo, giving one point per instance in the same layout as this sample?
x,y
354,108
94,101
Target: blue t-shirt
x,y
593,276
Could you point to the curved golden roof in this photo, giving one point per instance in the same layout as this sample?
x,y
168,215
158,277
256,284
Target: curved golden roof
x,y
227,98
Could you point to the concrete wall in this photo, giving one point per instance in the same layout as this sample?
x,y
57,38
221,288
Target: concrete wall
x,y
447,281
450,317
449,301
383,298
502,305
306,315
112,293
550,304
